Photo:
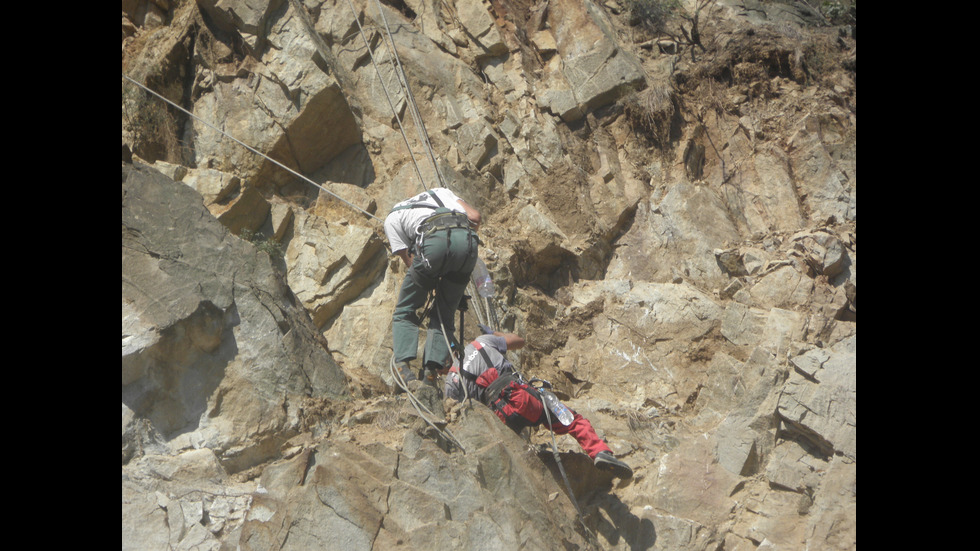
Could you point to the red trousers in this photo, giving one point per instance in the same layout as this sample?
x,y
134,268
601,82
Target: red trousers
x,y
519,408
584,434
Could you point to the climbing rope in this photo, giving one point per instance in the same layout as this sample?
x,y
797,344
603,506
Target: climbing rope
x,y
410,100
419,406
384,87
561,468
399,71
442,325
409,97
432,302
250,148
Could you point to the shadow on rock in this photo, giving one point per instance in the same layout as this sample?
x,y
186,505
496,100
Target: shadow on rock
x,y
170,382
609,517
605,515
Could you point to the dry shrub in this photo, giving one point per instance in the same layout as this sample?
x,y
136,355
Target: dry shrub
x,y
151,128
651,15
651,111
389,415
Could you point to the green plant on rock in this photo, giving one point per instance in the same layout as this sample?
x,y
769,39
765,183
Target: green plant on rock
x,y
267,245
840,12
651,14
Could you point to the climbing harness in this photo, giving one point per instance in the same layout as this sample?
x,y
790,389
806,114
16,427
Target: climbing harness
x,y
441,221
441,218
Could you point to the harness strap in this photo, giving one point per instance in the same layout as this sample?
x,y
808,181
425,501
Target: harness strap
x,y
423,205
486,358
436,197
445,219
449,250
492,393
448,220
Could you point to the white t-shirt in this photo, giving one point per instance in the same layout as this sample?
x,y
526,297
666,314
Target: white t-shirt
x,y
401,226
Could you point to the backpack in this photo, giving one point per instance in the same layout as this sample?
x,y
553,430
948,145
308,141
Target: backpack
x,y
515,402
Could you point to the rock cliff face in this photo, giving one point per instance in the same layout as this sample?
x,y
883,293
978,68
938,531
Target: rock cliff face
x,y
669,219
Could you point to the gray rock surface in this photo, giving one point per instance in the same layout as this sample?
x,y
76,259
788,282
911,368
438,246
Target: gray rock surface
x,y
217,352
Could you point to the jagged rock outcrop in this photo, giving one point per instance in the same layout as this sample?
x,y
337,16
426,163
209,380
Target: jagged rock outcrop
x,y
496,495
669,219
217,351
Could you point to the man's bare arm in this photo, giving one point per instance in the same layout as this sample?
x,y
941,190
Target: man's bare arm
x,y
471,213
406,258
514,342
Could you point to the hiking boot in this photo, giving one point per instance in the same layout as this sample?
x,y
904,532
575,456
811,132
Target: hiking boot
x,y
604,461
405,371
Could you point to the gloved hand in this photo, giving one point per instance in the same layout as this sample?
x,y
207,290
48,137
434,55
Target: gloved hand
x,y
486,330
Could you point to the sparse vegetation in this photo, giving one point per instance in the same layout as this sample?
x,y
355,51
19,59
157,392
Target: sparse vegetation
x,y
651,113
669,19
152,130
265,244
840,13
651,15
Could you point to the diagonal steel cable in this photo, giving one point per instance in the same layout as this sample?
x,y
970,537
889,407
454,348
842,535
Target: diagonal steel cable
x,y
250,148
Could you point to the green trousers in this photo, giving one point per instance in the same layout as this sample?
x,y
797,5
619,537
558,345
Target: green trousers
x,y
444,263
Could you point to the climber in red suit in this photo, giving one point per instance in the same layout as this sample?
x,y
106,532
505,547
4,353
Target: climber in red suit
x,y
488,376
